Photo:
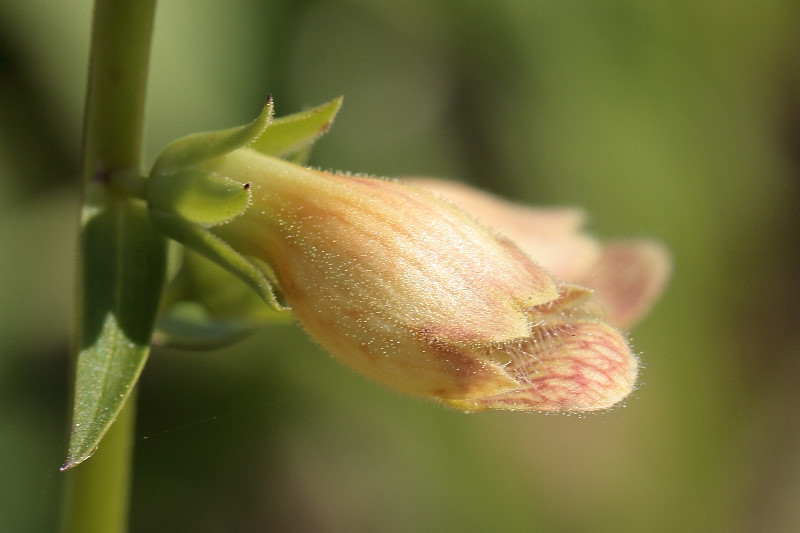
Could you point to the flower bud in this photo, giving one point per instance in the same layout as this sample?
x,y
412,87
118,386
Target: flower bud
x,y
395,282
410,291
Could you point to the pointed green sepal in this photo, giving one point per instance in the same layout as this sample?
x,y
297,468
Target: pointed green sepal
x,y
193,150
202,241
294,134
123,266
208,307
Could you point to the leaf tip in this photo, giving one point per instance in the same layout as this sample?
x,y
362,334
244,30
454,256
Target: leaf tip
x,y
72,461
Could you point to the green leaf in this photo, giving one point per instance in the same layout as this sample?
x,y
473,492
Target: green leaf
x,y
123,265
295,133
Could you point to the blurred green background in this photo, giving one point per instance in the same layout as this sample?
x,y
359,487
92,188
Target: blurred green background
x,y
675,120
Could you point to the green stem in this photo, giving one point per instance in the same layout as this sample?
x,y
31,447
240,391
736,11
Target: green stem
x,y
131,185
97,492
120,53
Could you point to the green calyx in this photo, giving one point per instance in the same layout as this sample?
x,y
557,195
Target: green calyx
x,y
187,198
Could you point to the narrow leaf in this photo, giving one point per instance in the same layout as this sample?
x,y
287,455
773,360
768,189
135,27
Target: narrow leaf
x,y
123,265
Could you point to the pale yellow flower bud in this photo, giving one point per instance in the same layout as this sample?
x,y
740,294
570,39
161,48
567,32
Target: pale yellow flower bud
x,y
410,291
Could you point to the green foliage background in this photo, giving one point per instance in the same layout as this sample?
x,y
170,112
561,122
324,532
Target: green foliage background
x,y
677,120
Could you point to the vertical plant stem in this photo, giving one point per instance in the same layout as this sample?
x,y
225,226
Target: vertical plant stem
x,y
120,52
97,492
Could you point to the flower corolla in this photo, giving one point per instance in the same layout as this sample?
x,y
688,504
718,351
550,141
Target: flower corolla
x,y
400,282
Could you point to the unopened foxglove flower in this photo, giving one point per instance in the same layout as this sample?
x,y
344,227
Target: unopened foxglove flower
x,y
399,284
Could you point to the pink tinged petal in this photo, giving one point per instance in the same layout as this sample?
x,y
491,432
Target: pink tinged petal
x,y
584,366
571,362
628,279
